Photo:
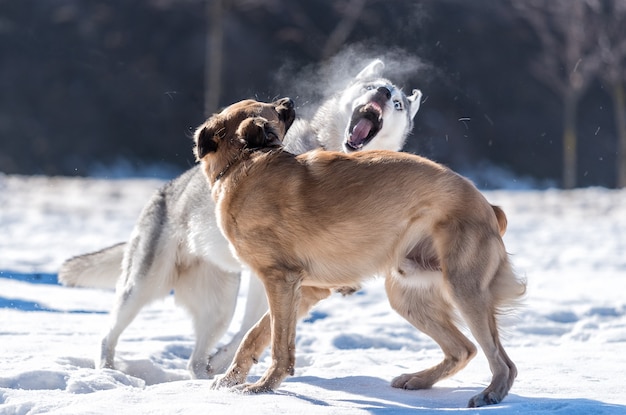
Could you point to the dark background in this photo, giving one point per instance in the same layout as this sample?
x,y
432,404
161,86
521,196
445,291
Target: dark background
x,y
94,87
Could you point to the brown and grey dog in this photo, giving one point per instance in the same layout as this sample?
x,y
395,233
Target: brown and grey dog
x,y
298,223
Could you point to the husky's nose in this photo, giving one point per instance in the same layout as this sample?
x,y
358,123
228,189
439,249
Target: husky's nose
x,y
385,91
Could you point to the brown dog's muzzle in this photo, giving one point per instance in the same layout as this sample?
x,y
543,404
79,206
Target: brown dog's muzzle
x,y
286,111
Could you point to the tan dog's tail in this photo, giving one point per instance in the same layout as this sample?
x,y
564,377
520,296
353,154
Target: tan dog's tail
x,y
501,217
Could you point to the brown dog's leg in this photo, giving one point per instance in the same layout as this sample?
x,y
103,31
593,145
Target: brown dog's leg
x,y
479,288
503,369
257,339
288,301
427,310
283,296
484,327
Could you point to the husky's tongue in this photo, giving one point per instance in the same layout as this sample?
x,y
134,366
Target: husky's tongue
x,y
360,132
366,122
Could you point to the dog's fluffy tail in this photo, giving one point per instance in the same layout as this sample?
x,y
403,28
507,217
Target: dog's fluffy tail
x,y
99,269
507,288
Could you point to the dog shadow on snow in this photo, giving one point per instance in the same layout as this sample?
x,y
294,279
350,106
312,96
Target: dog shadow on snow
x,y
376,396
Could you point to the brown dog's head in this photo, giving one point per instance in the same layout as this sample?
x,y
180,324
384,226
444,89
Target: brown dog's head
x,y
246,125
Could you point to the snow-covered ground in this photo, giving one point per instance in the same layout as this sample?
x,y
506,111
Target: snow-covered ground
x,y
568,341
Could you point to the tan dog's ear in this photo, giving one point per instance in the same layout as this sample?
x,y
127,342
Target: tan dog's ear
x,y
257,132
205,138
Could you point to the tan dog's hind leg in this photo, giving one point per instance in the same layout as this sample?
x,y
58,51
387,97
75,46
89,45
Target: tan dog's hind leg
x,y
258,338
480,315
427,310
485,330
481,282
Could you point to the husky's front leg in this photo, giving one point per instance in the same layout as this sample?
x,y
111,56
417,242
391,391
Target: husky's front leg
x,y
283,294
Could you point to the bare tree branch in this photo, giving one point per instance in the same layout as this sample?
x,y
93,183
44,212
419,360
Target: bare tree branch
x,y
566,29
213,56
569,59
338,37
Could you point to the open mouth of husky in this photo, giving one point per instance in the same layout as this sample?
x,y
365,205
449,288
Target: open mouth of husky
x,y
366,122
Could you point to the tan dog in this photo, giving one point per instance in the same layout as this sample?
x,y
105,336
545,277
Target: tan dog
x,y
311,223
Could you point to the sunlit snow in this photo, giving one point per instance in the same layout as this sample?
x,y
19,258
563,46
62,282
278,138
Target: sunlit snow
x,y
568,340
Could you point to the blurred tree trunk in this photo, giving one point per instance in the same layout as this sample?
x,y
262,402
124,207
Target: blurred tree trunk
x,y
570,158
213,56
612,51
619,110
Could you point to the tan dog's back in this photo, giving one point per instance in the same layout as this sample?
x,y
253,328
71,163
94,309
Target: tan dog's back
x,y
338,217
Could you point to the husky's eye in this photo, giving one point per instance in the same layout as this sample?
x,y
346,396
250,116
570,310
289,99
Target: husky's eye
x,y
397,105
369,87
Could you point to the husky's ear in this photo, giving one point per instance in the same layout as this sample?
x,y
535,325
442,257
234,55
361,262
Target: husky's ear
x,y
414,102
373,70
206,141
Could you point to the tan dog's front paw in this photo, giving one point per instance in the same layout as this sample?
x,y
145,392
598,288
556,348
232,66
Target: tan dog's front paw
x,y
270,381
230,379
254,388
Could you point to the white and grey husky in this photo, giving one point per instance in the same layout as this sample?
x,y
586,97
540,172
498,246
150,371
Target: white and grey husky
x,y
176,244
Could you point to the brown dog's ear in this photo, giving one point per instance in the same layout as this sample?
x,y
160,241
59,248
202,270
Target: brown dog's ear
x,y
205,138
253,132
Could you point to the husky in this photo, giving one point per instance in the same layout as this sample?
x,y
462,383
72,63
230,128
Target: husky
x,y
176,243
430,233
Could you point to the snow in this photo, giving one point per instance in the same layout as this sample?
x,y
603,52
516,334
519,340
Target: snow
x,y
568,339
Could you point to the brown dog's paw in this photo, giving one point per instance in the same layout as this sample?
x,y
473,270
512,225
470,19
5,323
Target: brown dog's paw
x,y
227,381
484,399
254,388
411,381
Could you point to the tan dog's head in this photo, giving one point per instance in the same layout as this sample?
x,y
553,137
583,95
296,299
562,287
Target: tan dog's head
x,y
245,125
